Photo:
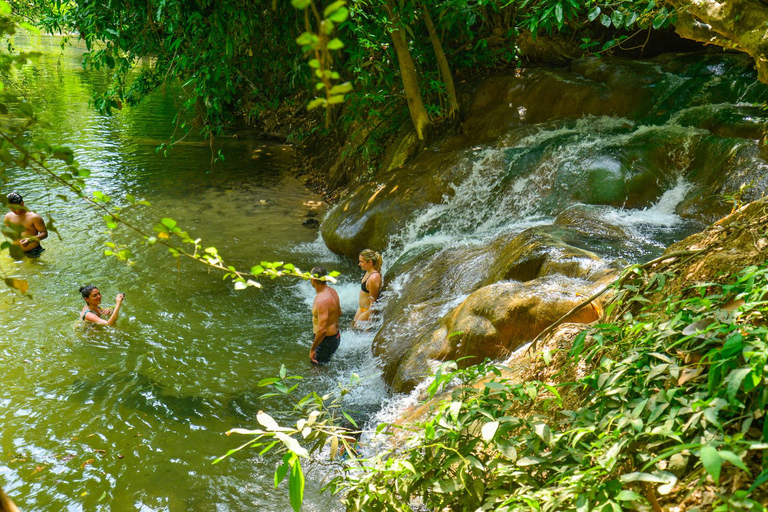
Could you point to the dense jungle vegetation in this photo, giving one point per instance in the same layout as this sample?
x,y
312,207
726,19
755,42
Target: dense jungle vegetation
x,y
373,63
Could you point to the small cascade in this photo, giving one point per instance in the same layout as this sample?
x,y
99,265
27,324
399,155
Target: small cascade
x,y
576,195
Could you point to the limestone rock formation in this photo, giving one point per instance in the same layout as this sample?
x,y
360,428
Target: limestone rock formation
x,y
732,24
491,323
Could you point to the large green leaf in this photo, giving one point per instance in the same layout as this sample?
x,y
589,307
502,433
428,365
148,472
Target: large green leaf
x,y
296,486
711,461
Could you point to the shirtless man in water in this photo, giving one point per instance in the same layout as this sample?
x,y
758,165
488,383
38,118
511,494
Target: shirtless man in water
x,y
32,226
326,311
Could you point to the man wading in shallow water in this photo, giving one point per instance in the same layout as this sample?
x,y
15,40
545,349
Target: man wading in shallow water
x,y
326,311
32,226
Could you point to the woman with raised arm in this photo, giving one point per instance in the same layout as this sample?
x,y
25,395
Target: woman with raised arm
x,y
370,285
92,312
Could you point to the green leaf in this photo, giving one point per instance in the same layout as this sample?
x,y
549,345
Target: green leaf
x,y
350,419
445,486
169,223
280,473
335,44
711,461
578,344
617,18
593,13
301,4
307,39
339,16
543,431
26,109
489,430
316,103
733,459
629,496
605,20
296,486
559,13
63,153
734,380
335,6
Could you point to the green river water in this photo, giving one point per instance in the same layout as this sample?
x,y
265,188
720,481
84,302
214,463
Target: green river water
x,y
131,418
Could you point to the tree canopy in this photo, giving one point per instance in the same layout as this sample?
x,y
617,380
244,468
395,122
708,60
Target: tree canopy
x,y
249,57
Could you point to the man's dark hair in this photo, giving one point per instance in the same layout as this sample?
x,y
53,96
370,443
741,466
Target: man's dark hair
x,y
14,198
318,273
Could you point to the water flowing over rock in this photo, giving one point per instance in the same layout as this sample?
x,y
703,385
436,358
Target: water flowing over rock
x,y
558,176
603,131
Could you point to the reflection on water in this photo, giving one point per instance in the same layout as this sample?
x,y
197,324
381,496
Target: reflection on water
x,y
131,418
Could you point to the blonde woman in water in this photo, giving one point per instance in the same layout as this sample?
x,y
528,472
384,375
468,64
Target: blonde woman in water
x,y
370,286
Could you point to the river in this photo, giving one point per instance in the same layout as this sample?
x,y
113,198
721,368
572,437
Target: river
x,y
131,418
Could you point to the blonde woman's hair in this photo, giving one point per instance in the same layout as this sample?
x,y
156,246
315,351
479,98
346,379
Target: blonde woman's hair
x,y
370,255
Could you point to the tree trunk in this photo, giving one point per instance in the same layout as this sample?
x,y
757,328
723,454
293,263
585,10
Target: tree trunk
x,y
442,64
419,116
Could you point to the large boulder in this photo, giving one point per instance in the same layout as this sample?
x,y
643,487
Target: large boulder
x,y
380,209
491,323
424,290
434,283
543,251
591,87
736,24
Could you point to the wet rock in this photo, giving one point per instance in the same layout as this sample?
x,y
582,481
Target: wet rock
x,y
425,289
380,209
491,323
542,251
311,223
410,263
590,221
431,283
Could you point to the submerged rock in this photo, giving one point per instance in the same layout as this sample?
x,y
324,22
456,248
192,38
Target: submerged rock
x,y
590,221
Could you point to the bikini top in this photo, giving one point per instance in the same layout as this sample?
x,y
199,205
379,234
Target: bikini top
x,y
82,317
362,285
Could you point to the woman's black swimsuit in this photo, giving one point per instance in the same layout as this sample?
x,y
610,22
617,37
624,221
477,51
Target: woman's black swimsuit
x,y
362,285
82,317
